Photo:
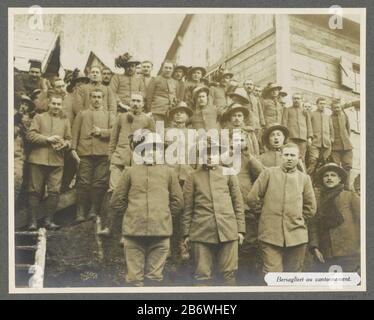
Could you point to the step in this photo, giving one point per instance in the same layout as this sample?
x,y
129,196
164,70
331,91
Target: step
x,y
24,266
27,248
26,233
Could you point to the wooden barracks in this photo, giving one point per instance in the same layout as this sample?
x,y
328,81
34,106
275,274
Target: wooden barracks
x,y
301,52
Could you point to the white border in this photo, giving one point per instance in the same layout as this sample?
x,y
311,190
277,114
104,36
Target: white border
x,y
238,289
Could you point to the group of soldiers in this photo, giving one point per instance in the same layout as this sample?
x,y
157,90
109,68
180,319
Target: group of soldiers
x,y
85,130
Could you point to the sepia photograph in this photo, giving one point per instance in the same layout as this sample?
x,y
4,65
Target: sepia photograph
x,y
186,150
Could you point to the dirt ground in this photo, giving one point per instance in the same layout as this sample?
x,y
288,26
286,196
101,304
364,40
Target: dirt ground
x,y
76,259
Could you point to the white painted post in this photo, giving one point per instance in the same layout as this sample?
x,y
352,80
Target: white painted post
x,y
37,280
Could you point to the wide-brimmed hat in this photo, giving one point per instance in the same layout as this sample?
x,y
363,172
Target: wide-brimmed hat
x,y
271,86
74,77
225,73
123,106
180,106
26,100
132,61
146,139
197,90
268,131
235,107
192,69
35,64
81,78
240,94
181,67
125,60
78,76
34,95
331,167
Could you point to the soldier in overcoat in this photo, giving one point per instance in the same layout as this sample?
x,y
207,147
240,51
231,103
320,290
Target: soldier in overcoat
x,y
149,196
288,204
323,136
90,147
297,121
335,230
213,220
49,136
342,148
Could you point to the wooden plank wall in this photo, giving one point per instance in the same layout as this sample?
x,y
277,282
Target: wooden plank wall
x,y
256,62
315,57
315,70
216,38
32,44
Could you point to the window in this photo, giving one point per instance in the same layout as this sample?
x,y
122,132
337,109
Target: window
x,y
350,74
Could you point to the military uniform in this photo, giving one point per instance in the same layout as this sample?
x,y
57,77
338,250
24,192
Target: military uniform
x,y
93,171
205,118
273,112
19,160
181,169
219,98
213,216
288,203
271,158
148,195
70,105
45,163
257,120
25,85
342,149
340,242
297,120
161,95
335,230
120,152
248,132
181,89
146,81
323,134
123,86
190,86
109,99
248,251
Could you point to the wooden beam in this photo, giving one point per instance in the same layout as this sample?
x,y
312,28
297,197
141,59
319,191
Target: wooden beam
x,y
178,39
37,280
283,51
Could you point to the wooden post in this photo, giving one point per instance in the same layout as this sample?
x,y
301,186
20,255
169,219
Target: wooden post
x,y
37,280
283,52
100,250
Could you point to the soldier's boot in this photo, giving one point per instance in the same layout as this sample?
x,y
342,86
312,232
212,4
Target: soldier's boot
x,y
107,215
50,209
34,204
82,204
97,195
311,167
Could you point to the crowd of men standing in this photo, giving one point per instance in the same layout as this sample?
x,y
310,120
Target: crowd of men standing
x,y
82,130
